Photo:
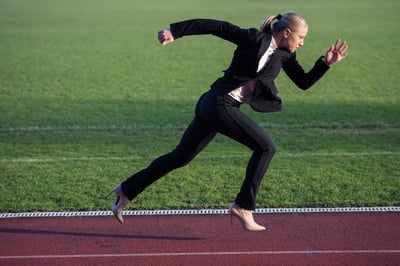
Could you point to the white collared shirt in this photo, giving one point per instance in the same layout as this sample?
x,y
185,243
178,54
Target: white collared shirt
x,y
267,55
244,93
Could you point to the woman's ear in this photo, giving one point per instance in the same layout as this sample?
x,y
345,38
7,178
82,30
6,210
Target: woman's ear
x,y
286,32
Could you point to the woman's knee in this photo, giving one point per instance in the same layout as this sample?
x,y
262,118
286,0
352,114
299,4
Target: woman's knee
x,y
268,147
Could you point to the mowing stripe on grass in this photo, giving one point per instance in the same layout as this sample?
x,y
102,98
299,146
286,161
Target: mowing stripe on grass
x,y
129,158
377,124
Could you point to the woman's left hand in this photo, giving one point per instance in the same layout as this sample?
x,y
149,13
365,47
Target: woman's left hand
x,y
165,37
336,53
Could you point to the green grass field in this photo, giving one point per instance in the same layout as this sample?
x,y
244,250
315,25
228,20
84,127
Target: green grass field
x,y
88,97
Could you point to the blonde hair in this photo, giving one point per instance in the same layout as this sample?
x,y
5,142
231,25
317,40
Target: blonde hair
x,y
277,23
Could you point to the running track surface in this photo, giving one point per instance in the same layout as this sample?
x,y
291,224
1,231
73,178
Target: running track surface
x,y
290,239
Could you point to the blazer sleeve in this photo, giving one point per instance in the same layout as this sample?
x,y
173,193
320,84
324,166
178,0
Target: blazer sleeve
x,y
302,79
222,29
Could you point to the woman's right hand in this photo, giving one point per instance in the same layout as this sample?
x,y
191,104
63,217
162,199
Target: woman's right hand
x,y
165,37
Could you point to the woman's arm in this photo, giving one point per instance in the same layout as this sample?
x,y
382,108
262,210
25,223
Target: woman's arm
x,y
303,80
222,29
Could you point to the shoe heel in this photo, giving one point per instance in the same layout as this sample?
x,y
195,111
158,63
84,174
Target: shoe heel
x,y
112,191
108,194
120,202
231,214
251,226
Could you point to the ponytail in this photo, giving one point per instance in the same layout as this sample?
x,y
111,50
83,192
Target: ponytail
x,y
266,26
277,23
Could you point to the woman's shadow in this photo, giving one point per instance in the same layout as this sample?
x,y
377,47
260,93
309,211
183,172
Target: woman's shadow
x,y
101,235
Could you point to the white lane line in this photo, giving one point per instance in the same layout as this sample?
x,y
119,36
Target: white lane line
x,y
199,212
180,254
129,158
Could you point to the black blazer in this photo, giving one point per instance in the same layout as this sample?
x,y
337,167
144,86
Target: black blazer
x,y
251,45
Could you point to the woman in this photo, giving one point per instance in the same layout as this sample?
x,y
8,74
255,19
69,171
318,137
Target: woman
x,y
257,60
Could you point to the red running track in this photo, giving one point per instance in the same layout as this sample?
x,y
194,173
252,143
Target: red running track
x,y
290,239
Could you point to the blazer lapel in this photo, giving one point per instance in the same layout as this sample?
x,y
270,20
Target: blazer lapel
x,y
266,40
274,65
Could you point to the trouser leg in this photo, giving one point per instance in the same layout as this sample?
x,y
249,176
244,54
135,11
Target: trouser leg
x,y
195,138
213,114
236,125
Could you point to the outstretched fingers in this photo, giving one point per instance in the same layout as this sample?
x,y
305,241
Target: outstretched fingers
x,y
336,53
341,48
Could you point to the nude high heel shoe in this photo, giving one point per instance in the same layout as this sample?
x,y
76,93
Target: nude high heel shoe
x,y
248,222
120,202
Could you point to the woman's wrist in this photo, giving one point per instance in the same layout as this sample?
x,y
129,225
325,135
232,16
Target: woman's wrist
x,y
326,62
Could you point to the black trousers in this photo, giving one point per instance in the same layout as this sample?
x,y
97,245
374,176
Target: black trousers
x,y
214,114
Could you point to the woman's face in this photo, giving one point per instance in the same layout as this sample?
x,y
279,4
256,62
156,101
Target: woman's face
x,y
292,40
